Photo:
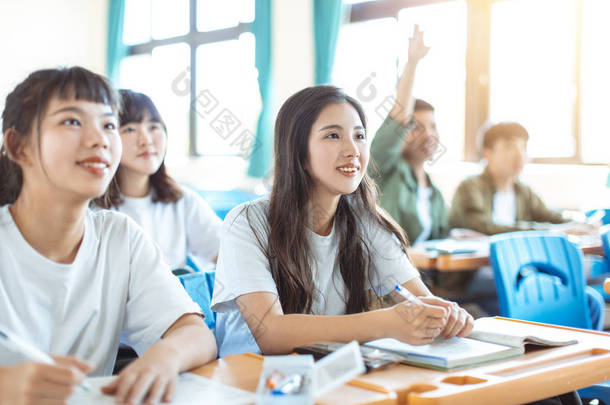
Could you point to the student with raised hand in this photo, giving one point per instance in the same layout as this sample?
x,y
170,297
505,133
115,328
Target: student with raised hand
x,y
404,142
71,280
295,267
176,218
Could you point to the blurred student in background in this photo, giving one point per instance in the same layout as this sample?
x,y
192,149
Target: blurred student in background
x,y
496,201
404,142
176,218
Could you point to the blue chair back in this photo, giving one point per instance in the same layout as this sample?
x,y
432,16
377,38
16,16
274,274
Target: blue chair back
x,y
604,233
539,277
605,218
210,277
198,286
223,201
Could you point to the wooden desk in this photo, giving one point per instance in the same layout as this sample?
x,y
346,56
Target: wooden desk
x,y
430,260
536,375
242,371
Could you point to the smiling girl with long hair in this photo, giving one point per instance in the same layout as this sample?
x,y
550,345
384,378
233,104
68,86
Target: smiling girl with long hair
x,y
296,268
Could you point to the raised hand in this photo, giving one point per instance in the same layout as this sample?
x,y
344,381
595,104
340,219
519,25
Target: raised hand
x,y
417,48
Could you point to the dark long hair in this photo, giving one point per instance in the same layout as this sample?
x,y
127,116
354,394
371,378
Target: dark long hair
x,y
25,107
290,210
134,108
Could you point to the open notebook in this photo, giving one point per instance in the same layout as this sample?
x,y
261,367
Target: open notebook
x,y
491,339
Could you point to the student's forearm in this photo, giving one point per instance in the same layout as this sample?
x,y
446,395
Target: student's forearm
x,y
280,334
403,107
192,346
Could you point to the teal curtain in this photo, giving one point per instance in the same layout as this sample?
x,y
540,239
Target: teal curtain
x,y
116,49
327,18
260,159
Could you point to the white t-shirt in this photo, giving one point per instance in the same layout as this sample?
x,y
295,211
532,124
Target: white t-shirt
x,y
504,209
117,283
243,268
187,227
423,213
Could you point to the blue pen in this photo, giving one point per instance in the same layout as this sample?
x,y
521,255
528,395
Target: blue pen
x,y
15,344
407,295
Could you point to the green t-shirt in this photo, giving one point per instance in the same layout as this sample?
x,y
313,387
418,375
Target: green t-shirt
x,y
398,185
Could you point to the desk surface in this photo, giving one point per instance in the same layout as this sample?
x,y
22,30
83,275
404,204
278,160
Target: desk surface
x,y
425,259
242,371
538,374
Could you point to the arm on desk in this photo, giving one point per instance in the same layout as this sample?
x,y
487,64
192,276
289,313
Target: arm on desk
x,y
278,333
186,344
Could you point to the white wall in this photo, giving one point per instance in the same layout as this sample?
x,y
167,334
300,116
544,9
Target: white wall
x,y
49,33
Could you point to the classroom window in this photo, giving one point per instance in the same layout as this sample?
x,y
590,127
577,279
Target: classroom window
x,y
215,15
169,18
595,85
365,65
539,62
175,50
441,75
221,81
538,92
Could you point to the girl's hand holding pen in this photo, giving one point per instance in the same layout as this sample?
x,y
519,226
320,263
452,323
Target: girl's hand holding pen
x,y
40,383
459,321
431,317
416,322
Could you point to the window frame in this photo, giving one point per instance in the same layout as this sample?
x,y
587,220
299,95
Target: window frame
x,y
194,38
478,45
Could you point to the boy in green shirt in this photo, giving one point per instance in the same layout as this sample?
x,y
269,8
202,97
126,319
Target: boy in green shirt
x,y
404,142
496,201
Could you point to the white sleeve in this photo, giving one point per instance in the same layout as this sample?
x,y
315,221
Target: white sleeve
x,y
390,263
202,227
242,265
156,299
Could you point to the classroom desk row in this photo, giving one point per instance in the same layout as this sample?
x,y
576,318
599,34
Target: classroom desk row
x,y
425,258
536,375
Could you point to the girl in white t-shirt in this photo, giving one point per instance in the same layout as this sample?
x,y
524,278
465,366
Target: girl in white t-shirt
x,y
296,268
72,280
176,218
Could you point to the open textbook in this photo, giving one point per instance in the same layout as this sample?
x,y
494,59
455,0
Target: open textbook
x,y
491,339
192,389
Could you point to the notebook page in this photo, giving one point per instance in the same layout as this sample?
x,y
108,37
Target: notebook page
x,y
514,334
192,389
